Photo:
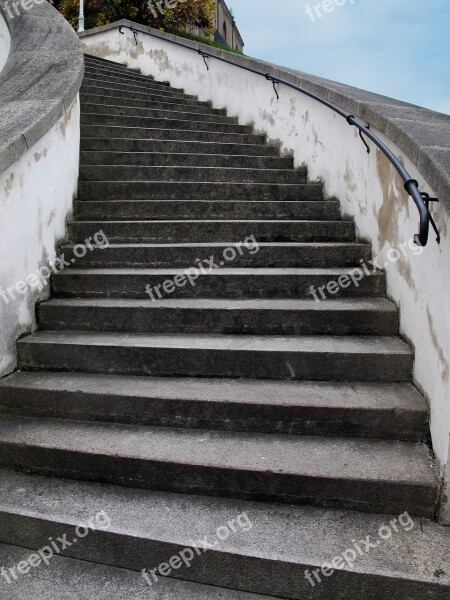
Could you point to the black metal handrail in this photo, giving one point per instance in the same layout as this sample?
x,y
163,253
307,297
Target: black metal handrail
x,y
421,199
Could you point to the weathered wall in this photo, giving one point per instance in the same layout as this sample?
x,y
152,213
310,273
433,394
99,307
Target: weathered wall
x,y
5,42
39,160
367,185
36,199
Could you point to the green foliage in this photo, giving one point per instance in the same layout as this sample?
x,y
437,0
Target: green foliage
x,y
207,41
167,15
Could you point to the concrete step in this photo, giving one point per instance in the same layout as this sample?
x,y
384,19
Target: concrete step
x,y
186,190
320,358
104,108
215,255
127,75
90,59
371,475
125,84
161,146
71,579
122,210
216,127
159,103
122,232
104,90
150,134
374,316
188,159
132,173
267,547
220,283
371,410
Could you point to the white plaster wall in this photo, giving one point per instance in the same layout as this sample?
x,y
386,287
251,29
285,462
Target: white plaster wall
x,y
367,186
5,41
36,195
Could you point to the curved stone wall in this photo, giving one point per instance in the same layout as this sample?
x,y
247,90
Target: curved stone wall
x,y
366,184
39,158
5,41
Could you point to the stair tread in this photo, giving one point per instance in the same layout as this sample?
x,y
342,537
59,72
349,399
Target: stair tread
x,y
67,578
243,271
317,344
276,304
232,243
303,537
394,462
374,396
209,221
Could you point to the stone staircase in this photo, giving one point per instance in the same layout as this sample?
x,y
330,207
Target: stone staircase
x,y
176,407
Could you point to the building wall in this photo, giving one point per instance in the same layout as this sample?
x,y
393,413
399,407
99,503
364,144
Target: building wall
x,y
226,29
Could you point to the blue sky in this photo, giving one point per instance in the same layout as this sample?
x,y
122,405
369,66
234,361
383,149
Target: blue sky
x,y
399,48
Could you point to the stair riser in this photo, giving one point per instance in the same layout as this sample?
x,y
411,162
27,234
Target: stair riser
x,y
207,362
136,93
164,123
187,257
176,147
158,104
149,159
106,95
181,135
137,210
197,232
211,286
260,575
111,66
122,83
240,321
225,416
124,76
112,173
215,481
162,190
103,108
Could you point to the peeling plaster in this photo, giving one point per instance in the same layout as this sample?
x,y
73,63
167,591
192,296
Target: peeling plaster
x,y
445,371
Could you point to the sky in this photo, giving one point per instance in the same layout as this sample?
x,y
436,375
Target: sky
x,y
398,48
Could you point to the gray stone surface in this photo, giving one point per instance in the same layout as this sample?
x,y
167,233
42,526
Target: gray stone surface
x,y
378,410
125,210
369,475
148,528
374,316
185,255
224,283
40,79
358,358
71,579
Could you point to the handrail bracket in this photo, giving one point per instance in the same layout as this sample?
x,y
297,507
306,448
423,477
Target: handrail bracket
x,y
274,81
427,200
205,56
